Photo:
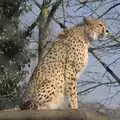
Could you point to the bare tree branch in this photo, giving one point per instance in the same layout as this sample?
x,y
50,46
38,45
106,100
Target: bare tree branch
x,y
106,67
52,12
31,27
109,9
95,86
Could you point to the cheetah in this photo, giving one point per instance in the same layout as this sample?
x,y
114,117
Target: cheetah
x,y
55,81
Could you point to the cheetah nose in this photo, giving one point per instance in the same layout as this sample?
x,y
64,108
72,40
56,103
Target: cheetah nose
x,y
107,31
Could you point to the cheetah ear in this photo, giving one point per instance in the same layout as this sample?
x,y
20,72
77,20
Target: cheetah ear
x,y
86,20
61,35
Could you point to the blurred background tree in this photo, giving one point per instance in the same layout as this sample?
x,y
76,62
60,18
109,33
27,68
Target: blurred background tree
x,y
13,53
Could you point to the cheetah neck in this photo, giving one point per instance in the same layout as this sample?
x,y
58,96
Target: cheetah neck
x,y
85,34
90,34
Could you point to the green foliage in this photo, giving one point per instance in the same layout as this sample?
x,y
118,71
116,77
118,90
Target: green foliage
x,y
10,43
9,83
13,53
10,91
10,8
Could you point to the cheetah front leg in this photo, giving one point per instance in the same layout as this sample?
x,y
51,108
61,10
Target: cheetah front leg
x,y
71,85
73,94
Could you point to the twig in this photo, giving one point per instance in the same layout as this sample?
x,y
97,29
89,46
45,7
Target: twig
x,y
106,67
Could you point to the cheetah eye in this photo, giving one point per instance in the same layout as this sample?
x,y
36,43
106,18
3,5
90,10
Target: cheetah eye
x,y
107,31
100,24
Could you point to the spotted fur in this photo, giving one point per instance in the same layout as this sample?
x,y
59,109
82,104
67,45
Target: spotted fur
x,y
55,80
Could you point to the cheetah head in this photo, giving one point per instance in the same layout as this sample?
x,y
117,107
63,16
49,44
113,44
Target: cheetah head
x,y
95,28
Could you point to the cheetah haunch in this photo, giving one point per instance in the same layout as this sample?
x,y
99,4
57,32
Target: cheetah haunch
x,y
55,81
